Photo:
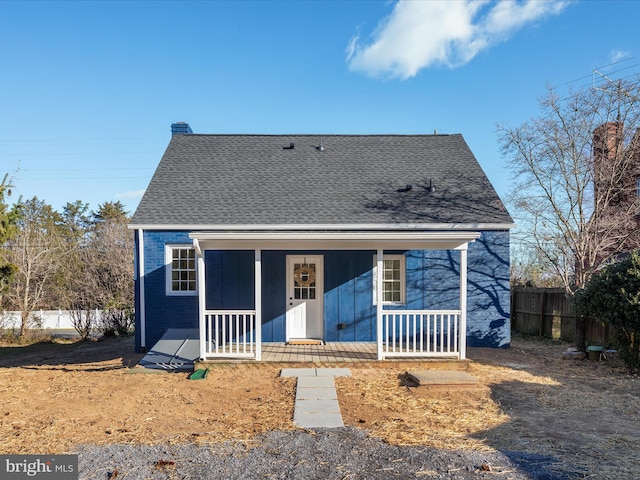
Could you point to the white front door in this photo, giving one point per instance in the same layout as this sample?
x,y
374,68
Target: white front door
x,y
305,292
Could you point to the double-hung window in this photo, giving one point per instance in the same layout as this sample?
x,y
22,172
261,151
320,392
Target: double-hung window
x,y
394,274
180,263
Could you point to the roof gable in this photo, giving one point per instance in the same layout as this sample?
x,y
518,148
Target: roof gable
x,y
323,180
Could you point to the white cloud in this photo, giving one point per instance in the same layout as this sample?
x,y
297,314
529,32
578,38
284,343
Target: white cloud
x,y
131,194
617,55
420,34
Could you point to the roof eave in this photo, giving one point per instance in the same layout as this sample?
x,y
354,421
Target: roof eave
x,y
335,240
353,227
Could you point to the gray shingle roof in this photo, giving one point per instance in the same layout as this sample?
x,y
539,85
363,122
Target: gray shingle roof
x,y
354,179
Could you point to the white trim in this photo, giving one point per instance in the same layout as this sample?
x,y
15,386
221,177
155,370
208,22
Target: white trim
x,y
202,303
143,320
325,227
403,279
258,303
462,333
380,257
168,258
196,245
330,235
288,240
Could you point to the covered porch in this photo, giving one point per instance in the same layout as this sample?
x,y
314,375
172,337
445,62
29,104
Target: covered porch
x,y
399,332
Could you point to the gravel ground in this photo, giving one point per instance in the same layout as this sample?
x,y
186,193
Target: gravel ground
x,y
341,454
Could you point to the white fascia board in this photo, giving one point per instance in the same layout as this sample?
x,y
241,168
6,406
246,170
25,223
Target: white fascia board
x,y
283,240
330,227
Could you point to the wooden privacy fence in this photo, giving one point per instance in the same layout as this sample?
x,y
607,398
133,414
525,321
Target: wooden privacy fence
x,y
548,312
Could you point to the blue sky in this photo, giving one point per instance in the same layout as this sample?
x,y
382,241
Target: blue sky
x,y
90,89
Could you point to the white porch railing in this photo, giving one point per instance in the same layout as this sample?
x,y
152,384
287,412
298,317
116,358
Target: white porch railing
x,y
420,333
230,333
405,333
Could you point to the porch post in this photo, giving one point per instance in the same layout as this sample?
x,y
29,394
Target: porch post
x,y
202,328
258,303
379,333
463,302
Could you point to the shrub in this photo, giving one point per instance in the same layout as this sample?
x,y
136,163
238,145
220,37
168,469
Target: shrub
x,y
117,321
84,321
612,296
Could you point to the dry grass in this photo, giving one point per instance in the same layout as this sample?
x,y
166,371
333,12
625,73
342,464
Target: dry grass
x,y
378,401
582,414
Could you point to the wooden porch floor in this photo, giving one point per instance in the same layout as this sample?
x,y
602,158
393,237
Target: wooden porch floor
x,y
334,354
324,353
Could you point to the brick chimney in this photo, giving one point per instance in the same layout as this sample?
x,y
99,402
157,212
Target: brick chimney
x,y
180,128
607,140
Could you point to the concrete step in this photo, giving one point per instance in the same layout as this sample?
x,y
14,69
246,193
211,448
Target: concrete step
x,y
442,379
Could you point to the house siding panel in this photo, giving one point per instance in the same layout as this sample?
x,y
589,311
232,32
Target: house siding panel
x,y
349,296
163,311
488,295
442,279
432,282
274,295
229,279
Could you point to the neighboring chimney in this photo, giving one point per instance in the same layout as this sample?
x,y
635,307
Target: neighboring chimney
x,y
180,128
607,139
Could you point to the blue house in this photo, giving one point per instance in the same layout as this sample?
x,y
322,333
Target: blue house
x,y
399,240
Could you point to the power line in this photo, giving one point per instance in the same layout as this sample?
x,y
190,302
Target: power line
x,y
603,67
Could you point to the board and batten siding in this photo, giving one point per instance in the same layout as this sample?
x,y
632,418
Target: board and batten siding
x,y
432,282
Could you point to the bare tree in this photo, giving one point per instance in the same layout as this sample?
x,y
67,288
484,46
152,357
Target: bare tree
x,y
36,251
575,171
100,273
527,270
112,252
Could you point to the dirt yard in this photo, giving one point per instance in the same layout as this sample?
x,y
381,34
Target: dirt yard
x,y
585,415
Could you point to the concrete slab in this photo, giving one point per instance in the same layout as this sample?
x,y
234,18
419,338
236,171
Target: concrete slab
x,y
318,420
441,378
316,394
318,406
298,372
316,397
316,382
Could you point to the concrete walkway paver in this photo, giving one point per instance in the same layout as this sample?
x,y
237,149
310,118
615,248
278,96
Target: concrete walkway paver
x,y
316,397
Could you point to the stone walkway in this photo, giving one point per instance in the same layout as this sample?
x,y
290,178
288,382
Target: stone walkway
x,y
316,397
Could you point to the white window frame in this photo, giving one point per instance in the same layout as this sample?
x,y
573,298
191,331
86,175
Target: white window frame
x,y
403,279
168,261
